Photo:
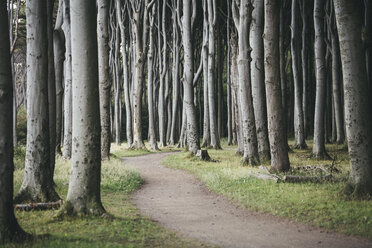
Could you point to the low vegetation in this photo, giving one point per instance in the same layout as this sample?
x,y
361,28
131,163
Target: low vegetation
x,y
124,228
318,204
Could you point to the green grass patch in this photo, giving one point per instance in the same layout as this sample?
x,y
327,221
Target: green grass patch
x,y
123,150
127,228
317,204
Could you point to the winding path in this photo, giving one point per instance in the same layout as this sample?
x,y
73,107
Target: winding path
x,y
180,202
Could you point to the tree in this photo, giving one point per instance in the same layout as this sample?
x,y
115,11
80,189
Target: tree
x,y
258,78
321,80
242,21
83,195
104,76
9,228
277,137
357,109
297,78
37,182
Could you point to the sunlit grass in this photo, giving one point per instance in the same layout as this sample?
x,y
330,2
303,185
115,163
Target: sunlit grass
x,y
127,228
123,150
318,204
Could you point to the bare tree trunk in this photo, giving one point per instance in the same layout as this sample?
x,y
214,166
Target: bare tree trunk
x,y
242,21
212,15
67,127
258,78
278,143
9,228
52,101
83,195
357,108
297,78
368,40
229,96
37,185
104,76
321,81
193,141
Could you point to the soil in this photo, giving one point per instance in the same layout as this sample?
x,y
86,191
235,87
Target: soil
x,y
180,202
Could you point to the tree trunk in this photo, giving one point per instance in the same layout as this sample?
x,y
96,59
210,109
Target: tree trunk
x,y
228,86
9,228
321,81
193,141
52,101
67,127
278,143
83,195
357,110
297,78
242,22
258,78
368,39
37,185
104,76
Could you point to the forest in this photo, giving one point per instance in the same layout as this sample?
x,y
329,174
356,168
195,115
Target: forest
x,y
264,102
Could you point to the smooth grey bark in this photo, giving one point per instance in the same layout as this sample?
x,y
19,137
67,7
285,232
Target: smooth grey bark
x,y
258,78
59,58
162,35
175,75
115,62
83,195
52,96
67,126
104,76
368,39
37,185
336,85
206,120
150,83
212,17
192,132
319,150
278,142
242,21
124,52
297,78
9,228
228,86
357,108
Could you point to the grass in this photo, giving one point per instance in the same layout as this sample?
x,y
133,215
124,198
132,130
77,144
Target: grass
x,y
317,204
122,150
127,228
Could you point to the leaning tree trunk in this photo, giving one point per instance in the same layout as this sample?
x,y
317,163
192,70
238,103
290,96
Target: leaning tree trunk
x,y
193,139
104,76
242,22
83,195
37,185
9,228
297,78
357,108
258,78
278,142
67,127
321,81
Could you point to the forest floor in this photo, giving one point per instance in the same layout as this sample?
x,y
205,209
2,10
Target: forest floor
x,y
179,201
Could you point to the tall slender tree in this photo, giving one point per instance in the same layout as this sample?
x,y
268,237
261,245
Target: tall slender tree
x,y
37,185
83,195
9,228
357,109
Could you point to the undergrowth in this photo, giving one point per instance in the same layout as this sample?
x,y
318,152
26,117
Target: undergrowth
x,y
317,204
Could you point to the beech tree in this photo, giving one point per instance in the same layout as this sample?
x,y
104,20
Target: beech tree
x,y
9,228
278,143
357,109
37,185
83,195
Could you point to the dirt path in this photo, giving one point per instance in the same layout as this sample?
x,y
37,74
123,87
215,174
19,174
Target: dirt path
x,y
180,202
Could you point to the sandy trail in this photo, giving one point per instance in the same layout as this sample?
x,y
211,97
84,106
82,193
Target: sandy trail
x,y
180,202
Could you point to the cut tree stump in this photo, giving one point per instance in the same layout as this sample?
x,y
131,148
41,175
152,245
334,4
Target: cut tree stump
x,y
38,206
